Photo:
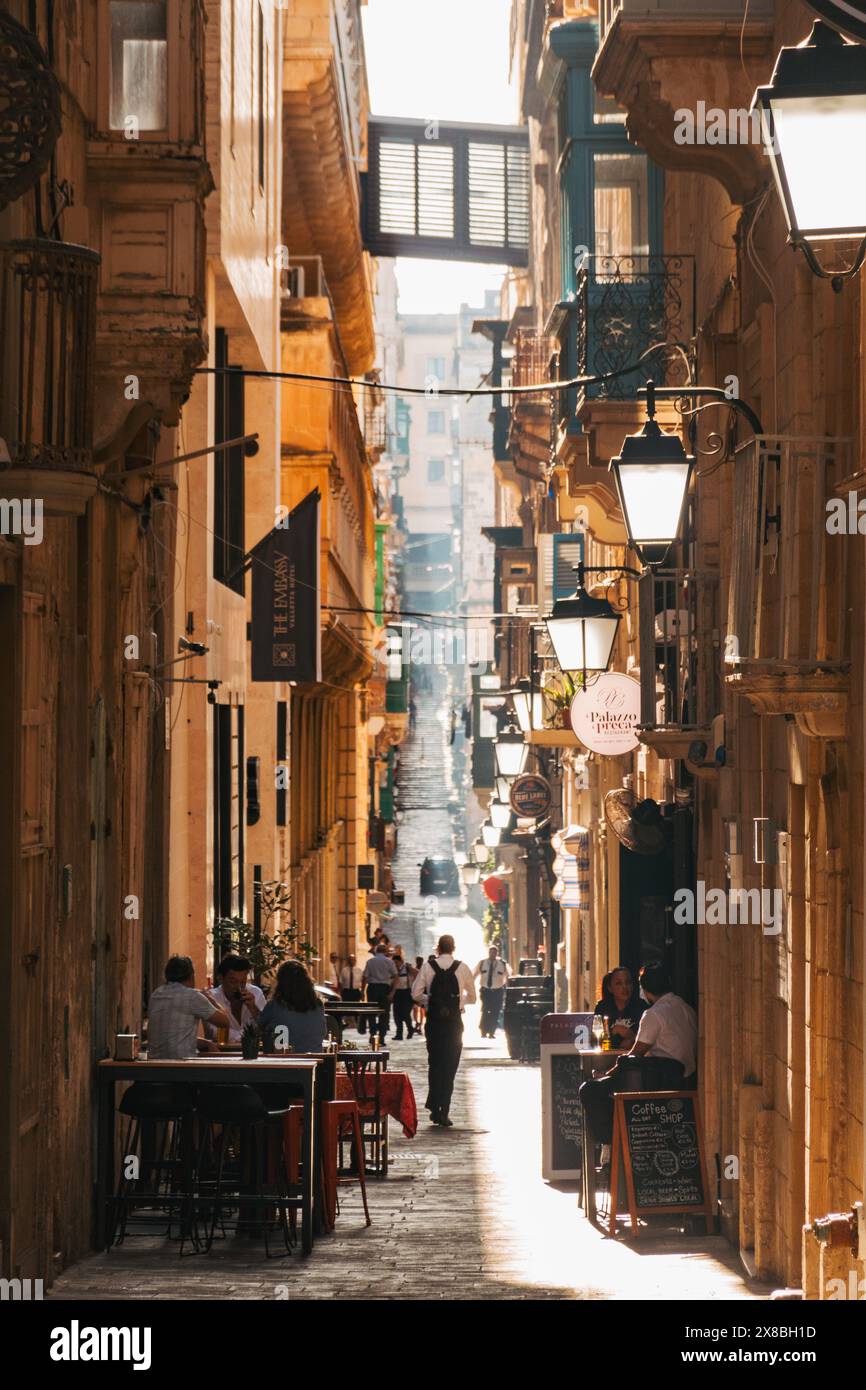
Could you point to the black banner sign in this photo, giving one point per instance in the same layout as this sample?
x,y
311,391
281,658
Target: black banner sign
x,y
286,636
848,16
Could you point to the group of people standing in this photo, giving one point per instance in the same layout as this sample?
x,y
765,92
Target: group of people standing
x,y
386,980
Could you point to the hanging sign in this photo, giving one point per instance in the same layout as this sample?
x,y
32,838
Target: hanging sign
x,y
849,16
605,715
530,796
285,627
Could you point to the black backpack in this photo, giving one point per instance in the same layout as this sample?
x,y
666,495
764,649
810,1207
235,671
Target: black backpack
x,y
444,994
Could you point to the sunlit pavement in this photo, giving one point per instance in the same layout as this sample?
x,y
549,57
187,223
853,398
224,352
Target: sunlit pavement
x,y
463,1214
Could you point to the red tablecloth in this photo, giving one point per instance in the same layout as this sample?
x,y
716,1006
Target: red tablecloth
x,y
397,1098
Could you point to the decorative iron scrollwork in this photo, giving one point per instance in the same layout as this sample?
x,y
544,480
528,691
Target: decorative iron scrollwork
x,y
30,113
627,304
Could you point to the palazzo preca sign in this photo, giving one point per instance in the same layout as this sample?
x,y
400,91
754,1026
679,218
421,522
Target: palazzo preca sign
x,y
606,714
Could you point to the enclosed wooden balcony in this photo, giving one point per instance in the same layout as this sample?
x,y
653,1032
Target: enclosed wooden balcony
x,y
48,332
533,414
787,643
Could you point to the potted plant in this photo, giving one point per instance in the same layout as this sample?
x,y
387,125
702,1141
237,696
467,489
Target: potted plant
x,y
265,950
250,1042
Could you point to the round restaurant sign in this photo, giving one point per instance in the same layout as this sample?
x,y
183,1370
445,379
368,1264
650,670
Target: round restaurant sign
x,y
605,716
530,796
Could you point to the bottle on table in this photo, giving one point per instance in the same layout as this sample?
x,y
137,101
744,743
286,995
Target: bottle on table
x,y
606,1041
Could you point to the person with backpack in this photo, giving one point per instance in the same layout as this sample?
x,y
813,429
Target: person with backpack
x,y
443,986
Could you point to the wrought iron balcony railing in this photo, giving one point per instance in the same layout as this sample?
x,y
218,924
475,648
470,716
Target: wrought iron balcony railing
x,y
788,605
679,650
48,332
624,305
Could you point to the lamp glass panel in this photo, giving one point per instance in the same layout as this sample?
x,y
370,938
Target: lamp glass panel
x,y
503,788
653,495
500,814
529,709
510,758
820,142
480,852
583,644
470,873
491,836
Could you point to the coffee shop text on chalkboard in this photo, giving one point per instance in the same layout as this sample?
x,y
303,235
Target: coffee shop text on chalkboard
x,y
658,1140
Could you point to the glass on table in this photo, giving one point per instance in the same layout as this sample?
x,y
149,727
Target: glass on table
x,y
597,1029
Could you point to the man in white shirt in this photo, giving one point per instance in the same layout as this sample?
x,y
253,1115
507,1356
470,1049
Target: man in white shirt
x,y
670,1027
493,974
351,979
241,1001
667,1031
444,986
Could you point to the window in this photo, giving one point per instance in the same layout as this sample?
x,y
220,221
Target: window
x,y
228,513
436,367
436,422
435,470
621,205
605,110
139,52
261,98
282,754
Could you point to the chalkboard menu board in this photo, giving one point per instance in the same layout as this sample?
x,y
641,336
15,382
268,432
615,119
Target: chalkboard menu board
x,y
658,1134
566,1081
562,1122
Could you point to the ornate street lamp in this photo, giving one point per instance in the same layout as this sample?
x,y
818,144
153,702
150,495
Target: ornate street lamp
x,y
490,835
652,473
582,630
528,706
813,121
500,815
470,873
503,788
480,852
511,752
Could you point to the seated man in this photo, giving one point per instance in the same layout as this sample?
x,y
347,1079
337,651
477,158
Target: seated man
x,y
241,1001
668,1030
175,1011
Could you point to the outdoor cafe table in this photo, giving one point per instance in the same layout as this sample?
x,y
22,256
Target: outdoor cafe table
x,y
340,1013
205,1070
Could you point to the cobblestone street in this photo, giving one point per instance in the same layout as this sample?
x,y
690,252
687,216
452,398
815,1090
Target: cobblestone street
x,y
463,1214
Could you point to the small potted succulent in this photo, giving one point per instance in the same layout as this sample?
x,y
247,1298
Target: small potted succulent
x,y
250,1042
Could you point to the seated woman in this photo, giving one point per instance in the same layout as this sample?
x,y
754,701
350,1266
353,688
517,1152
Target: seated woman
x,y
294,1016
621,1003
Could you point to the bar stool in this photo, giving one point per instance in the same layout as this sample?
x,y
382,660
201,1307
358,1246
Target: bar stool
x,y
241,1108
334,1116
158,1139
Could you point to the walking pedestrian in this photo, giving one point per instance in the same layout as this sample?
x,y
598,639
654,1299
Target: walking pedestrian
x,y
380,973
402,995
444,986
493,974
